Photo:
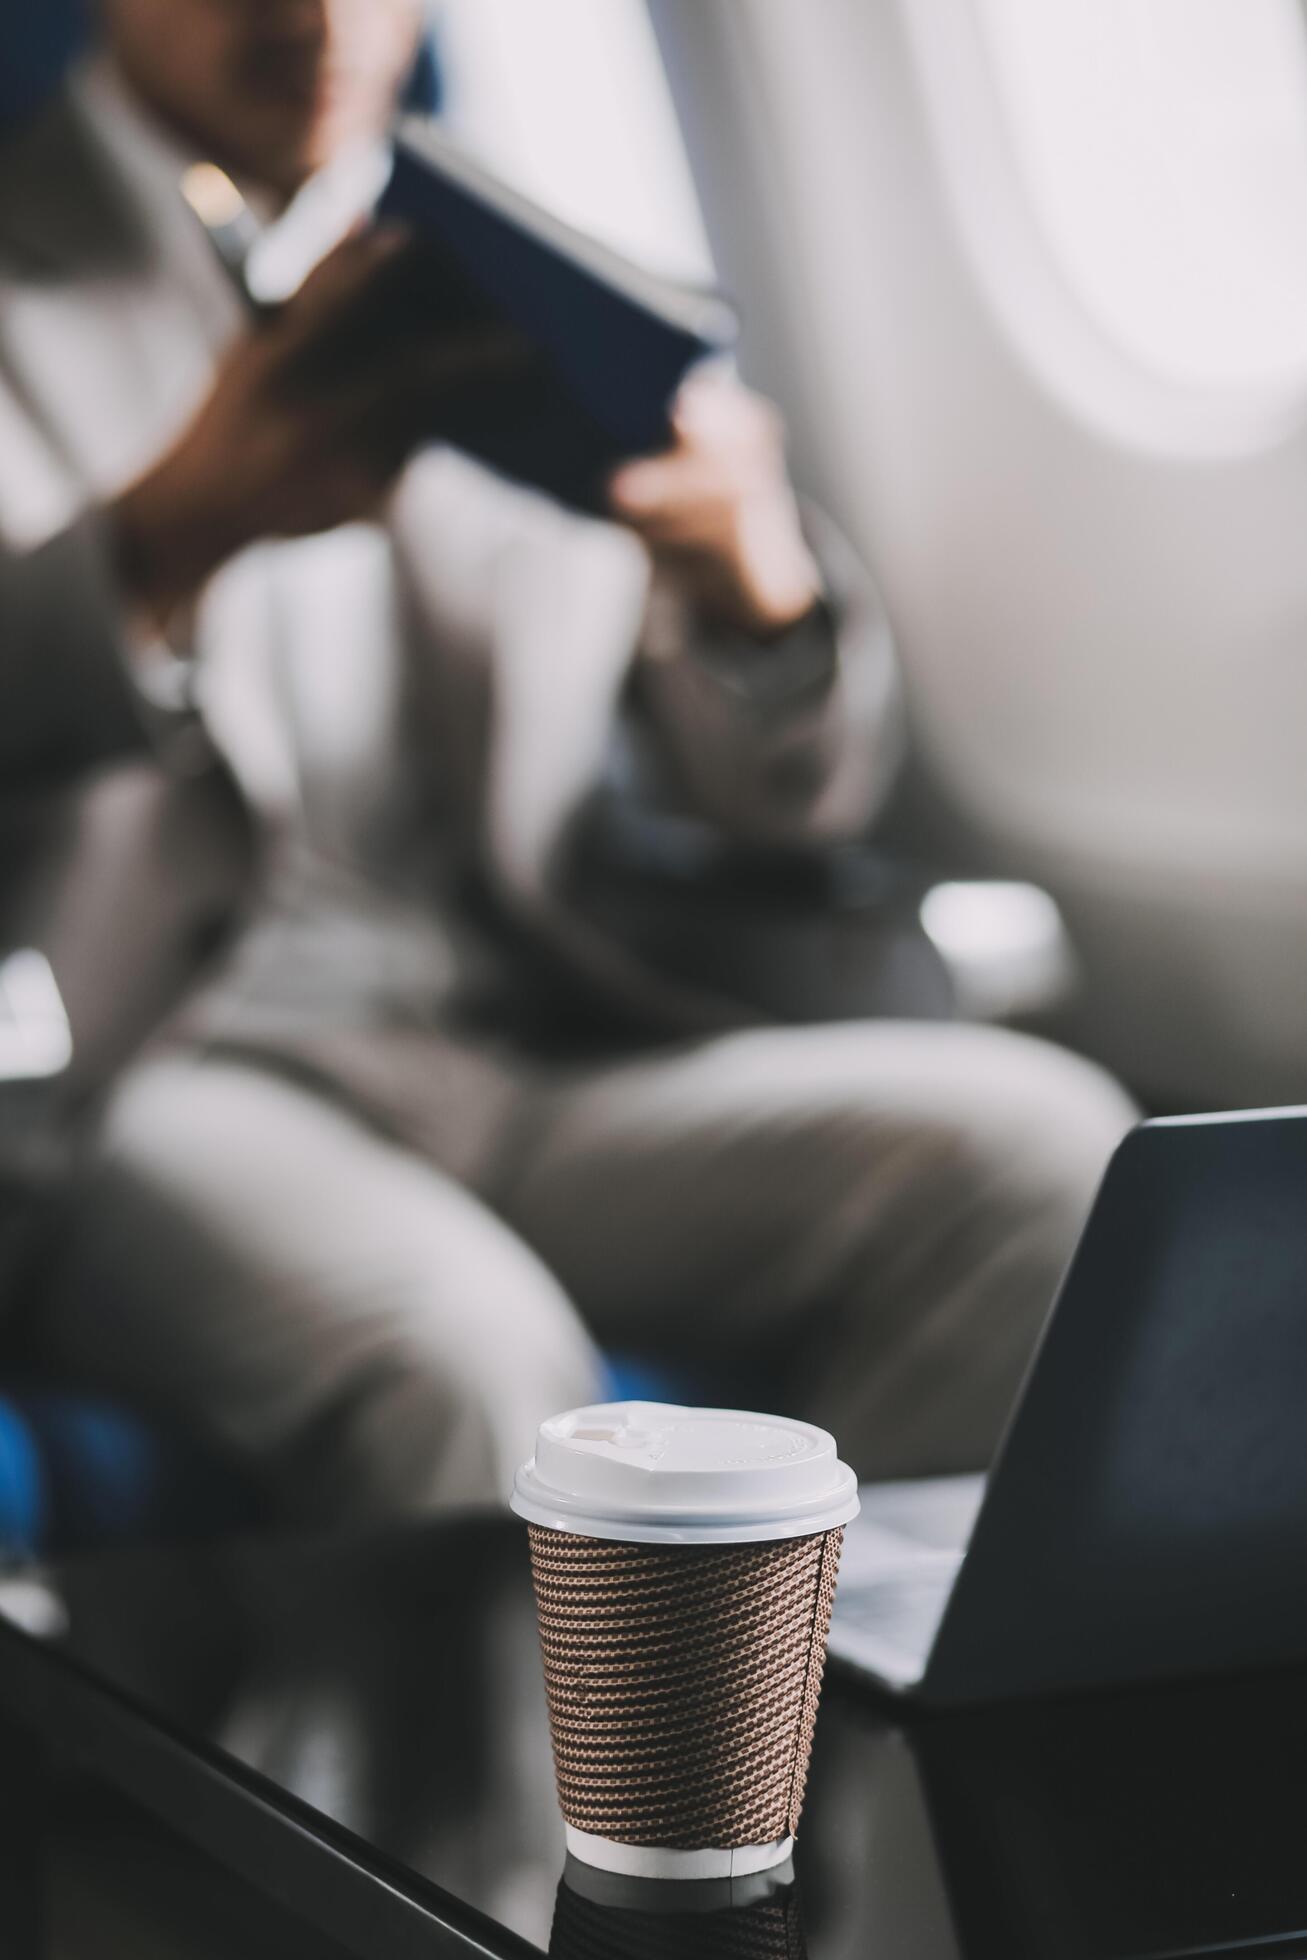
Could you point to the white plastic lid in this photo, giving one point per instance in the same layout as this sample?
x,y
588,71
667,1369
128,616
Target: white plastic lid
x,y
653,1473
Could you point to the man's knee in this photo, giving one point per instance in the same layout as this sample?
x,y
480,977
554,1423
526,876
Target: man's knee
x,y
439,1405
949,1173
998,1118
356,1328
962,1245
1040,1124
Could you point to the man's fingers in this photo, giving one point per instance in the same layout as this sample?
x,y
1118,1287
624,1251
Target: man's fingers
x,y
386,415
701,527
342,306
346,269
658,485
714,409
680,499
445,370
471,357
726,442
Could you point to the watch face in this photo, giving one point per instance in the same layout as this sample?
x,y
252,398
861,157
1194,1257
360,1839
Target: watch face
x,y
776,673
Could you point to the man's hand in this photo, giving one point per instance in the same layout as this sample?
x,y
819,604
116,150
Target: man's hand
x,y
312,415
718,513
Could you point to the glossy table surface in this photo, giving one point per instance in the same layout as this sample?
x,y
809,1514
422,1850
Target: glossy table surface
x,y
385,1691
86,1874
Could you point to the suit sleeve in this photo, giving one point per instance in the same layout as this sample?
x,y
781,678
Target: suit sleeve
x,y
76,683
793,743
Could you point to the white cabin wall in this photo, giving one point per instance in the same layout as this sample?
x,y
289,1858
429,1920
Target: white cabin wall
x,y
1098,580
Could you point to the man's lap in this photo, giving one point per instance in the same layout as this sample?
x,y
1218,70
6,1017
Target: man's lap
x,y
723,1197
250,1242
257,1258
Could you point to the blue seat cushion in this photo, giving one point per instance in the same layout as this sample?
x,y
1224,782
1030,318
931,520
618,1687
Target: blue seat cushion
x,y
78,1473
23,1522
636,1378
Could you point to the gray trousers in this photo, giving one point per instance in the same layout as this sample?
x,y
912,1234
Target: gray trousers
x,y
863,1224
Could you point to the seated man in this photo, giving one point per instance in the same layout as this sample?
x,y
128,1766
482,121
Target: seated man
x,y
348,1222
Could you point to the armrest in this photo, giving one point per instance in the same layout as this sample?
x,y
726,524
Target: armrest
x,y
124,886
36,1041
113,894
820,934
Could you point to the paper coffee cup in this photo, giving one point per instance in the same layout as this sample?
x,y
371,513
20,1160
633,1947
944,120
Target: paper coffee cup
x,y
684,1564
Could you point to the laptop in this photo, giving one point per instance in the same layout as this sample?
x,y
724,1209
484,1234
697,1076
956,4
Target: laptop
x,y
1146,1514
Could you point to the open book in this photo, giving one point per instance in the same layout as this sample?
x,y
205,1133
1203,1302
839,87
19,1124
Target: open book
x,y
611,341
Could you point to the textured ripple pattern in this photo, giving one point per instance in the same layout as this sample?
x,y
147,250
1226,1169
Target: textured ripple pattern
x,y
683,1683
769,1930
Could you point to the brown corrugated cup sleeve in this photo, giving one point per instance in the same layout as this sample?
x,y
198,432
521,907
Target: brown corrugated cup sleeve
x,y
683,1683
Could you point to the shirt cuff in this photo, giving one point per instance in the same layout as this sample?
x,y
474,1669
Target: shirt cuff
x,y
795,669
792,670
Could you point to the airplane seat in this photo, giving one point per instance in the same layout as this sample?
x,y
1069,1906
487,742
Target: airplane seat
x,y
80,1473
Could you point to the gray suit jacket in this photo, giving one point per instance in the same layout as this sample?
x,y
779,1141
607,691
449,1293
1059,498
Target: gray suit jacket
x,y
492,636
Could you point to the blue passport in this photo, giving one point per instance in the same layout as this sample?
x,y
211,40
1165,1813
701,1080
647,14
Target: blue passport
x,y
610,342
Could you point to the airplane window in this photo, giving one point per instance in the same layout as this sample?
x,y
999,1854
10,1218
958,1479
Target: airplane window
x,y
570,102
1164,145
